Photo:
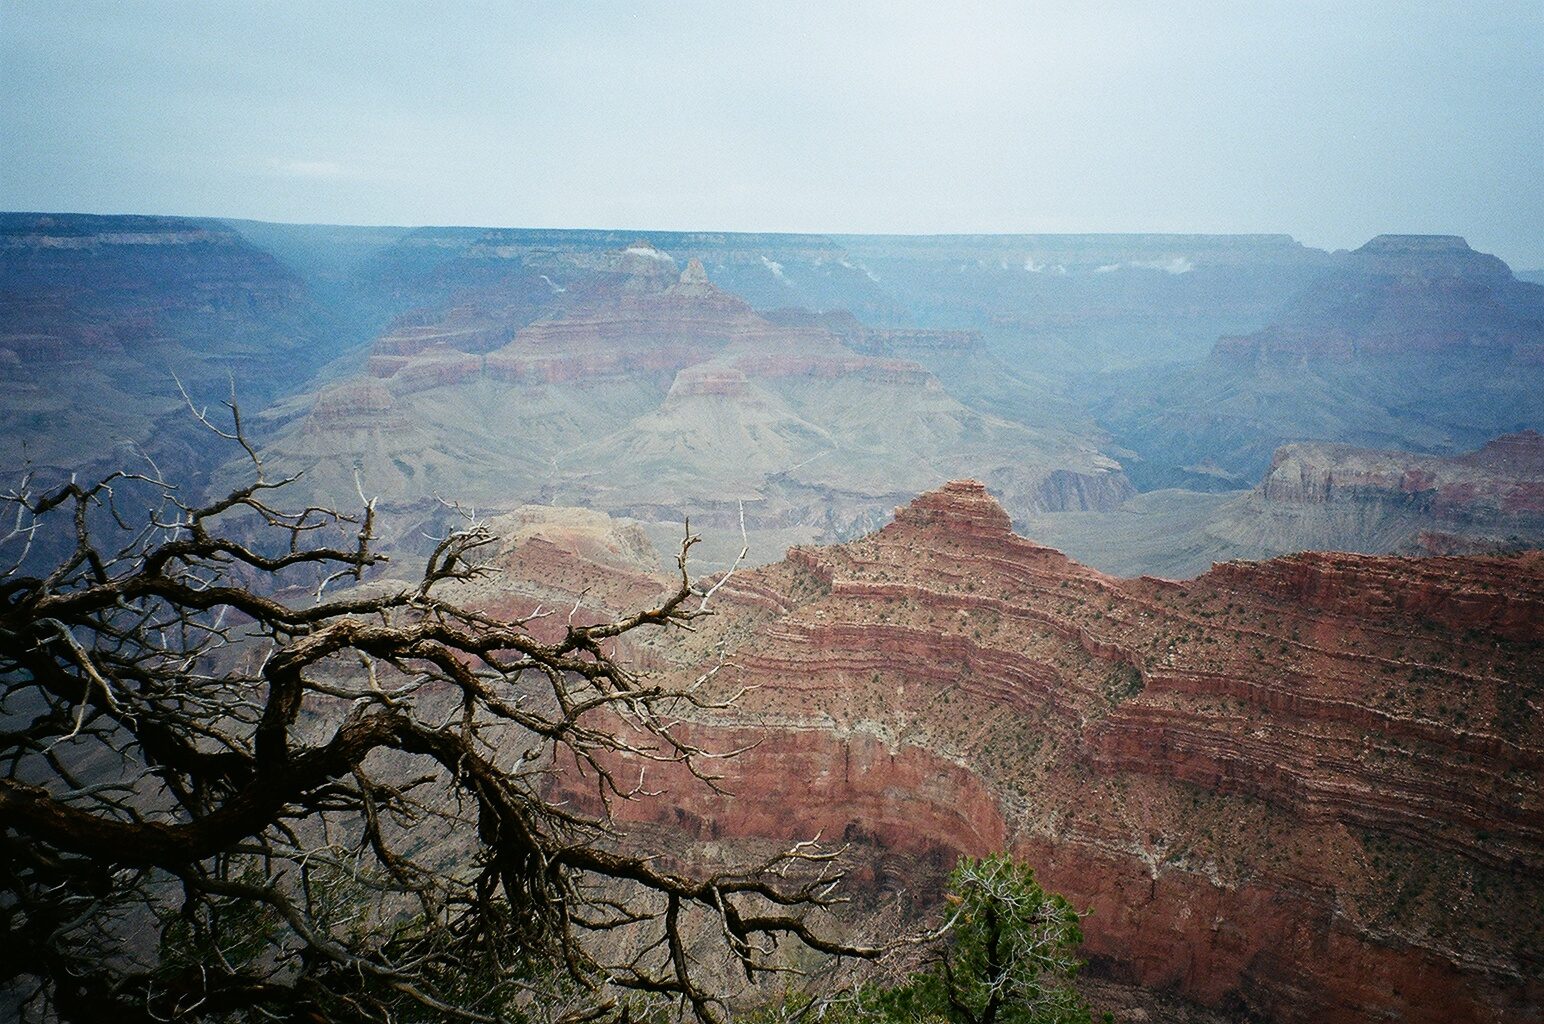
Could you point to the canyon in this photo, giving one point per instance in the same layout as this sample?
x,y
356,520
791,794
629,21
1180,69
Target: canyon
x,y
101,317
1410,342
808,382
1298,789
1322,496
1307,789
643,389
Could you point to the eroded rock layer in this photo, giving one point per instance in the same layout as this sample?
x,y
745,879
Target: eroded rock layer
x,y
1487,499
621,381
1410,342
105,320
1308,789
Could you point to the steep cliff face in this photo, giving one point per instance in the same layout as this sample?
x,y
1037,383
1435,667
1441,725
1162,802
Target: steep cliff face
x,y
1310,789
1323,497
1490,498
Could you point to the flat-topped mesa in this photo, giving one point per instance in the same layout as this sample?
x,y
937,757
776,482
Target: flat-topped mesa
x,y
1429,255
963,507
1402,296
1416,244
708,379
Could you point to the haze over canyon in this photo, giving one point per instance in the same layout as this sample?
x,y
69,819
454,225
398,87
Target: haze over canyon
x,y
1201,572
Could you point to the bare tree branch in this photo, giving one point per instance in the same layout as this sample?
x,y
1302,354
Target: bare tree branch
x,y
336,803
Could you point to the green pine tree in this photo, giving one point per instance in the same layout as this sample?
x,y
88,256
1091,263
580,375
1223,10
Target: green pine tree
x,y
1007,956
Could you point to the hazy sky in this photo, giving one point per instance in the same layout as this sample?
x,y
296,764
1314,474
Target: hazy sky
x,y
1332,121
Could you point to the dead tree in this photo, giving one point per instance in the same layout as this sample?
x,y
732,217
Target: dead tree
x,y
242,779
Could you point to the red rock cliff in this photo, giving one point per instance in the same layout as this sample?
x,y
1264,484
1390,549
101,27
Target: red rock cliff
x,y
1309,789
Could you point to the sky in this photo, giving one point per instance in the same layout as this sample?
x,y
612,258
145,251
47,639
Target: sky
x,y
1329,121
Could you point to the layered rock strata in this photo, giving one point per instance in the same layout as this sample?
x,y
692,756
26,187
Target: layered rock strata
x,y
103,319
1309,789
1494,495
1324,497
1412,342
620,381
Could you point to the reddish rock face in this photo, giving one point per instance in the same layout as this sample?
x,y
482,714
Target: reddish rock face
x,y
1308,789
906,803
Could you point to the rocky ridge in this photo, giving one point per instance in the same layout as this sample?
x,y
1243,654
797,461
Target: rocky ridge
x,y
97,315
644,389
1324,497
1486,499
1307,789
1402,295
